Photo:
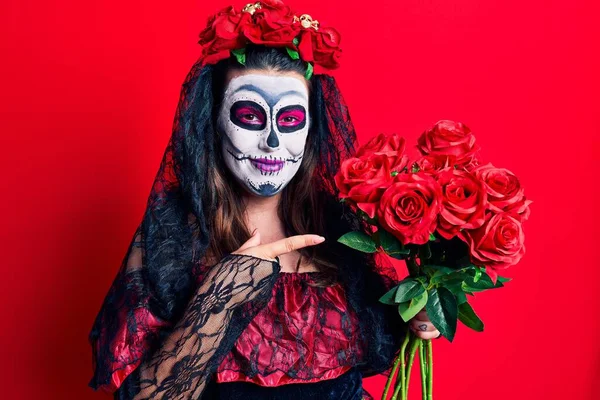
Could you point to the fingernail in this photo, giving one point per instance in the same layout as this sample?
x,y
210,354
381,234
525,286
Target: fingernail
x,y
319,239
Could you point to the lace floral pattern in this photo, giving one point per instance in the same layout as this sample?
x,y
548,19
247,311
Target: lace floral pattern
x,y
181,366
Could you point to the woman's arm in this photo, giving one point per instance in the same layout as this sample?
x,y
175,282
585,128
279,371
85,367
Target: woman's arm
x,y
181,366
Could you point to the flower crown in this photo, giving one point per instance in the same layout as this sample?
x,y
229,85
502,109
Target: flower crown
x,y
269,23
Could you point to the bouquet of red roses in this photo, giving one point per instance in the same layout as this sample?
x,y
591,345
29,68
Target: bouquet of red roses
x,y
455,221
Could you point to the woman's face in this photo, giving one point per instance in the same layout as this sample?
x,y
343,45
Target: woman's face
x,y
264,123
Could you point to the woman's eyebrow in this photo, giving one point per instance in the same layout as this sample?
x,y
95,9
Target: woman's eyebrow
x,y
270,99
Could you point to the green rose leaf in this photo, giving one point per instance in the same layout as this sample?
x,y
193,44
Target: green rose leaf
x,y
484,283
477,274
359,241
467,316
461,297
389,297
410,308
456,289
431,237
408,289
442,310
441,274
391,245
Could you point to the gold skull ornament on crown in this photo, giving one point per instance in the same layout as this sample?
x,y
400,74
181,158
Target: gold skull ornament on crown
x,y
305,20
251,8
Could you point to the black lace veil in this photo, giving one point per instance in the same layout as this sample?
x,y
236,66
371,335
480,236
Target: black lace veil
x,y
162,266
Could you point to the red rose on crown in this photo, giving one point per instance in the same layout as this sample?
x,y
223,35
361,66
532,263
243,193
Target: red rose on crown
x,y
222,34
270,23
321,47
273,26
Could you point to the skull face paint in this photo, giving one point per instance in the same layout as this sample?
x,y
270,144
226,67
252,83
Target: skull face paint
x,y
264,124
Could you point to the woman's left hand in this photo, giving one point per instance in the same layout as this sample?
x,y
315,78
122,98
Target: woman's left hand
x,y
422,326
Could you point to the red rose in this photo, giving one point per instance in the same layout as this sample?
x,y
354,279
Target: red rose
x,y
464,202
449,138
432,165
274,26
363,180
320,46
392,146
222,34
497,244
504,190
409,208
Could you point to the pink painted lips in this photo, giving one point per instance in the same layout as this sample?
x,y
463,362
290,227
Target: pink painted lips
x,y
267,164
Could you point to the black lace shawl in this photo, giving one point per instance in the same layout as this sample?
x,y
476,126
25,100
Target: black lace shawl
x,y
167,321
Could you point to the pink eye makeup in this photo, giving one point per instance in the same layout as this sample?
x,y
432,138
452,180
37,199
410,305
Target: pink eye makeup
x,y
248,115
291,118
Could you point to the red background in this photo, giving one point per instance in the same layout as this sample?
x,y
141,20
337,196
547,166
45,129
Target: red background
x,y
89,90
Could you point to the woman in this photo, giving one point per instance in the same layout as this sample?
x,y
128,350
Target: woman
x,y
234,284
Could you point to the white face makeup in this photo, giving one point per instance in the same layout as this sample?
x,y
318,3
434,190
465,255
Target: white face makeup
x,y
264,119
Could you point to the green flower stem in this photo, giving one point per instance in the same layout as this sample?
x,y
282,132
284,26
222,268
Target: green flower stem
x,y
411,358
391,378
413,267
429,370
400,380
423,363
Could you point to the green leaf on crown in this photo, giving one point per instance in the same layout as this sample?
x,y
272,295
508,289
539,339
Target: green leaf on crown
x,y
309,71
293,54
240,55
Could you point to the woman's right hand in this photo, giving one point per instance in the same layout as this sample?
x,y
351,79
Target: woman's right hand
x,y
247,272
271,251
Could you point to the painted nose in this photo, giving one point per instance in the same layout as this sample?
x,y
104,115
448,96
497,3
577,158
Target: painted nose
x,y
272,141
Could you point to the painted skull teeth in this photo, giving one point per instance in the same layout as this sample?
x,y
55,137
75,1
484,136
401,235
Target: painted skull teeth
x,y
268,164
